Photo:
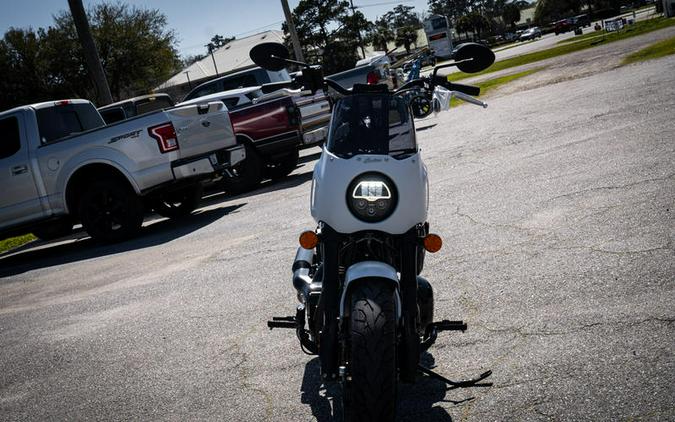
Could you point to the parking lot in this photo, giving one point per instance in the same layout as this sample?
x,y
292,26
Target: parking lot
x,y
556,209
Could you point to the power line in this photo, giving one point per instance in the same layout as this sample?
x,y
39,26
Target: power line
x,y
259,28
384,3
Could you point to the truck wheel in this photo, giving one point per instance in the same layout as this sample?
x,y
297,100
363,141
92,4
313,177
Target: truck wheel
x,y
179,203
247,174
54,229
371,393
110,211
284,167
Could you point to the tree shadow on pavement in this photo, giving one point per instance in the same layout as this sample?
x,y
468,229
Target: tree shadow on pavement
x,y
416,402
63,252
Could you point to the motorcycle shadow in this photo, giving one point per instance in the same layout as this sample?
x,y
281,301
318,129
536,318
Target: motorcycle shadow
x,y
324,400
415,402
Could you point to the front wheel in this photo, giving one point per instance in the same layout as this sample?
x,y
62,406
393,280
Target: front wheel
x,y
246,175
284,166
371,393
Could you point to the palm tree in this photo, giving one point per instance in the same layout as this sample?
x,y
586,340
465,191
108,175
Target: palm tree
x,y
379,36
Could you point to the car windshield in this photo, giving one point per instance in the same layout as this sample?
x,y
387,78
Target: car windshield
x,y
371,124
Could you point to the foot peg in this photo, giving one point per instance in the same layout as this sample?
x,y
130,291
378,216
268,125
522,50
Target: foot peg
x,y
283,322
446,325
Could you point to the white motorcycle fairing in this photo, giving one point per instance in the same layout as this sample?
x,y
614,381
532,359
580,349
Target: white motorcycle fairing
x,y
333,175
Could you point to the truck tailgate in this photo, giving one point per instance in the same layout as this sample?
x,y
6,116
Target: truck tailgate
x,y
201,128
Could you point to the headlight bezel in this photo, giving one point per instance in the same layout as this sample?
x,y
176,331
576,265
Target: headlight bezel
x,y
369,208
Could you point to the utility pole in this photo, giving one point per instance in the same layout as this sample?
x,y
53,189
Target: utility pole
x,y
90,52
358,32
212,47
291,29
187,74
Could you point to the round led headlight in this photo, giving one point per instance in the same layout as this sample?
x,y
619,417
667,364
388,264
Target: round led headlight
x,y
372,197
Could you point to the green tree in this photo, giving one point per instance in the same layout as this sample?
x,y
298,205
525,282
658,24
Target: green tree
x,y
136,50
403,23
380,34
453,9
511,14
326,33
22,68
552,10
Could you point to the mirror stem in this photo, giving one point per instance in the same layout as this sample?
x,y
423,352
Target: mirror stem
x,y
290,61
443,66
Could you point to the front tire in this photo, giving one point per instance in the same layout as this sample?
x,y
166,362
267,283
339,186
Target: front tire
x,y
110,211
283,167
247,174
371,393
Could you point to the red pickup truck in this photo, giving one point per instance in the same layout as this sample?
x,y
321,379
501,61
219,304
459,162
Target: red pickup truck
x,y
273,128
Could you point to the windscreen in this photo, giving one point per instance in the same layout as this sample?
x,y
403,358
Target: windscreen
x,y
64,120
371,124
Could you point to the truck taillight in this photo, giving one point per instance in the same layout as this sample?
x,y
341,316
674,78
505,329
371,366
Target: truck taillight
x,y
373,77
165,136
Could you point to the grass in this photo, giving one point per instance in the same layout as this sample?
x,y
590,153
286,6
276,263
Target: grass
x,y
654,51
638,28
15,242
491,84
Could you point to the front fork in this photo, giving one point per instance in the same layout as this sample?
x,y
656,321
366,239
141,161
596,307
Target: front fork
x,y
409,345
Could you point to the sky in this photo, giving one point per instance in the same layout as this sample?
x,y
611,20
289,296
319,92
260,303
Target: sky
x,y
194,21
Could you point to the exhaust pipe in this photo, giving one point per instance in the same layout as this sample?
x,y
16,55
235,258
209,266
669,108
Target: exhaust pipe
x,y
302,281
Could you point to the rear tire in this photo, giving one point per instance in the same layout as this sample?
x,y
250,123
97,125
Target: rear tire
x,y
110,211
248,173
179,203
284,167
371,393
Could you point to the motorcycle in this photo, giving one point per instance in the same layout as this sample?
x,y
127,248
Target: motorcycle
x,y
364,308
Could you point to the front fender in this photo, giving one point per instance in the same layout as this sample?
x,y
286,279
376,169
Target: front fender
x,y
370,269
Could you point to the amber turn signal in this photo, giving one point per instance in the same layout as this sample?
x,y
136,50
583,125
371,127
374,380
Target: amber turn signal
x,y
309,240
433,243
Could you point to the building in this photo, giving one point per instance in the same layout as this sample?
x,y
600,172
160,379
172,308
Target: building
x,y
230,58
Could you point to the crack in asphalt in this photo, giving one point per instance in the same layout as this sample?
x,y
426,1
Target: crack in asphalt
x,y
599,188
520,331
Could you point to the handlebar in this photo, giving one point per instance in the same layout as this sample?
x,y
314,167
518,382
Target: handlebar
x,y
424,82
466,89
273,86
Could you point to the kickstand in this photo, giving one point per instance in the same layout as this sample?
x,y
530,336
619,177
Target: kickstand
x,y
475,382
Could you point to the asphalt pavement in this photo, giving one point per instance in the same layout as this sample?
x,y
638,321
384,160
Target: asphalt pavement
x,y
557,214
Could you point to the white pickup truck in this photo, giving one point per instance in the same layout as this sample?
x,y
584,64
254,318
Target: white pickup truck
x,y
60,164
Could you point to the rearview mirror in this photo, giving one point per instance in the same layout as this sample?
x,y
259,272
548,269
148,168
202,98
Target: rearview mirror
x,y
270,55
481,57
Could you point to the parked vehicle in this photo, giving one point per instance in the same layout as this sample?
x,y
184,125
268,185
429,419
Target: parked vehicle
x,y
273,128
371,71
530,34
60,163
562,26
136,106
242,79
581,21
364,309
